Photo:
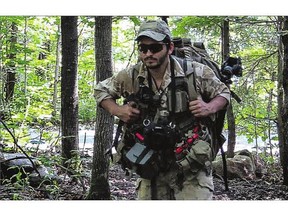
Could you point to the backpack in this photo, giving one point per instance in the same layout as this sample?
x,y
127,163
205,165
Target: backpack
x,y
186,51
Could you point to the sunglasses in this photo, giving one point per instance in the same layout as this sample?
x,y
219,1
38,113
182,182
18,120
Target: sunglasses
x,y
154,48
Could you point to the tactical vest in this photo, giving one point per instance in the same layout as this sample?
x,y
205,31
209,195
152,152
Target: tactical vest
x,y
158,139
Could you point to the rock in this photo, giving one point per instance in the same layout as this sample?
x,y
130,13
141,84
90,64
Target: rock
x,y
47,175
244,152
241,166
13,163
260,168
244,165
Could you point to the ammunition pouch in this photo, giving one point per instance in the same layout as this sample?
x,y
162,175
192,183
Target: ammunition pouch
x,y
177,96
199,156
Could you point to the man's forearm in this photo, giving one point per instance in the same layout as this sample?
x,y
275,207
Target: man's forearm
x,y
110,105
218,103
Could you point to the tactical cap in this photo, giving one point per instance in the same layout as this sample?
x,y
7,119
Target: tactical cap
x,y
155,29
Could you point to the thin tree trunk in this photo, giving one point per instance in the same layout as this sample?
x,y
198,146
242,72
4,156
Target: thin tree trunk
x,y
25,57
255,113
284,110
10,68
269,110
2,77
99,187
69,88
280,98
230,114
56,72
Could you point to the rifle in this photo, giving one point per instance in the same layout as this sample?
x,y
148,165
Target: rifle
x,y
116,139
144,99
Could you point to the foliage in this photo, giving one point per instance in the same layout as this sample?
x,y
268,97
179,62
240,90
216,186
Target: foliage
x,y
197,25
253,38
19,181
257,87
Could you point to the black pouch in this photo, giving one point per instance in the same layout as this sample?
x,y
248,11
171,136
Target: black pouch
x,y
144,160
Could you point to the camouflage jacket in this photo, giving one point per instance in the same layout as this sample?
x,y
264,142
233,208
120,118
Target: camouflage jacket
x,y
121,84
125,83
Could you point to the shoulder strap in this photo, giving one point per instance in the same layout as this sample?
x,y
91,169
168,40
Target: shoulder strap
x,y
189,71
135,71
191,79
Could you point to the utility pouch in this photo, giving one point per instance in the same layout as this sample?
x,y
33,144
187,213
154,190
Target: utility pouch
x,y
177,96
181,103
144,161
198,157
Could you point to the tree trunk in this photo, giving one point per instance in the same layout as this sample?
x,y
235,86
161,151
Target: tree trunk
x,y
10,67
69,88
230,114
270,110
284,111
280,98
56,72
99,187
25,56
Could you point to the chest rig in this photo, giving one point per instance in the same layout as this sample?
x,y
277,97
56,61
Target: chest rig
x,y
164,121
165,112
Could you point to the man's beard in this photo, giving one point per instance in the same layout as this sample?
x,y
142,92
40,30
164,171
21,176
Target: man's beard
x,y
159,62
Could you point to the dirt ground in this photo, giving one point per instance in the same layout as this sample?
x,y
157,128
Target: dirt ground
x,y
268,187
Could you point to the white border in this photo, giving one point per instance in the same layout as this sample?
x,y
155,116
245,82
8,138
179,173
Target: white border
x,y
142,208
144,7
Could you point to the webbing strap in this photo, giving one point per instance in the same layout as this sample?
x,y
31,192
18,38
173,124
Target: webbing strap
x,y
189,71
191,88
173,96
153,189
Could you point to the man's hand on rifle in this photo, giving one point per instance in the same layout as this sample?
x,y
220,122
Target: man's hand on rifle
x,y
126,113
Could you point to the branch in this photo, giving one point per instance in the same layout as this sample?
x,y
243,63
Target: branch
x,y
15,142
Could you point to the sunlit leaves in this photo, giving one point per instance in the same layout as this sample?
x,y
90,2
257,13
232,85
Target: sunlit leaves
x,y
190,25
253,38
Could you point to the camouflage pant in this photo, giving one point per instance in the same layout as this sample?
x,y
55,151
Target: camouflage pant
x,y
197,186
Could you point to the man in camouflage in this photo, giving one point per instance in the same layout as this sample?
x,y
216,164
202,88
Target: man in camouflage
x,y
188,177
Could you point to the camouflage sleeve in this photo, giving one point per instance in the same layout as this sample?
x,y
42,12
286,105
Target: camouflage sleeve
x,y
208,84
114,87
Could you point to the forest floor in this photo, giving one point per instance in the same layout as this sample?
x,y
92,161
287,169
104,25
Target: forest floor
x,y
268,187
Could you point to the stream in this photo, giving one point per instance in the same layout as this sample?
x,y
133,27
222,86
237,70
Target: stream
x,y
86,140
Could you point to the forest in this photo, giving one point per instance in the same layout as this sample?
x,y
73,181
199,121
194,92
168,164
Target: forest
x,y
50,65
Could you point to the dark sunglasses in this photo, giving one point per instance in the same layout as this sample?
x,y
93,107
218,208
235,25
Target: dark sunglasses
x,y
154,48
